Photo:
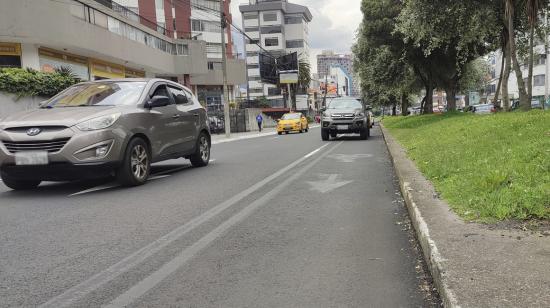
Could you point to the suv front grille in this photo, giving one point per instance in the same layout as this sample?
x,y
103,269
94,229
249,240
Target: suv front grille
x,y
343,116
51,146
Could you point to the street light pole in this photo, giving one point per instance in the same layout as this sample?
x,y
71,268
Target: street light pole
x,y
223,24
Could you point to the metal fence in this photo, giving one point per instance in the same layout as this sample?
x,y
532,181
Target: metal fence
x,y
237,118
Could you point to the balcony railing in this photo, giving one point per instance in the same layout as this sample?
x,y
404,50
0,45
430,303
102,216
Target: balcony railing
x,y
128,13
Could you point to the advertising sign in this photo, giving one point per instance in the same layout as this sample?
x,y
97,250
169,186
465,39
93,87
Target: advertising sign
x,y
286,77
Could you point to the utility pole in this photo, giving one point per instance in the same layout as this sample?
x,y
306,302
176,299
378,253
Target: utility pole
x,y
226,114
326,90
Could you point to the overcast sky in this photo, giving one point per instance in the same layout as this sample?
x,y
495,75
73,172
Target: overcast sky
x,y
333,26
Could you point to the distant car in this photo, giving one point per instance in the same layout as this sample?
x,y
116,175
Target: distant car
x,y
483,109
217,125
102,128
345,115
292,122
536,104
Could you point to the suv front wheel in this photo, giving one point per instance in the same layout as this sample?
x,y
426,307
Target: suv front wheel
x,y
136,164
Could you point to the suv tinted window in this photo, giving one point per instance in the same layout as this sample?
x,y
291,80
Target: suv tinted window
x,y
181,96
161,91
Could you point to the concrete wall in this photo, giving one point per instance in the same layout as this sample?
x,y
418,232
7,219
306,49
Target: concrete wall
x,y
252,113
236,74
9,104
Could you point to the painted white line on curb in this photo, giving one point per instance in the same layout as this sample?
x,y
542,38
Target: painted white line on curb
x,y
84,288
142,287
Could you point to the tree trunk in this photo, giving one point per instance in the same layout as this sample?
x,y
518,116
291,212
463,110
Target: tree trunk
x,y
530,77
429,104
523,100
506,77
466,100
450,89
404,105
394,109
499,85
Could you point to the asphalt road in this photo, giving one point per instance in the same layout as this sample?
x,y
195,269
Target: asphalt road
x,y
276,221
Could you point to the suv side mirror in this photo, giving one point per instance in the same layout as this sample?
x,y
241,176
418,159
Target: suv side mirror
x,y
158,101
369,108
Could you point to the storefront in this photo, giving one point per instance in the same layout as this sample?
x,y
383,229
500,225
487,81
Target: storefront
x,y
105,70
10,54
50,60
131,73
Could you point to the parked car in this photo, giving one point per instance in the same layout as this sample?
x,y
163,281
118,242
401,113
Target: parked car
x,y
483,109
292,122
102,128
345,115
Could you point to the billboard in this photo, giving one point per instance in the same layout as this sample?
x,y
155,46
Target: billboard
x,y
268,69
286,77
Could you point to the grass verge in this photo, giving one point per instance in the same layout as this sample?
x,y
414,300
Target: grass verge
x,y
488,168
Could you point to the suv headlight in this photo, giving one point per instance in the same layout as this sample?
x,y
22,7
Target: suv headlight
x,y
359,114
99,122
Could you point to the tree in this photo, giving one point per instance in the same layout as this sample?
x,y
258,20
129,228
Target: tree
x,y
450,34
304,80
380,56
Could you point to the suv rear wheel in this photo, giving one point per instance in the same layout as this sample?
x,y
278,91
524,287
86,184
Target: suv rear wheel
x,y
19,184
201,157
136,164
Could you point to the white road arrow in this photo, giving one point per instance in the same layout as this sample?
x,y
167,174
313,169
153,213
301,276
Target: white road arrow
x,y
327,184
345,158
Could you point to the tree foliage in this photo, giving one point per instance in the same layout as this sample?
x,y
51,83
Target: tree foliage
x,y
440,44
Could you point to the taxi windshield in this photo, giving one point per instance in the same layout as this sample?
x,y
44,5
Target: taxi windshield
x,y
291,116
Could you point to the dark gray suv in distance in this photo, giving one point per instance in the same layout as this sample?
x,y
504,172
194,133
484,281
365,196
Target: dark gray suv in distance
x,y
109,127
345,115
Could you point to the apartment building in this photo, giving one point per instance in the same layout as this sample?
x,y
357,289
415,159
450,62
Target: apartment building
x,y
541,70
328,59
279,27
111,39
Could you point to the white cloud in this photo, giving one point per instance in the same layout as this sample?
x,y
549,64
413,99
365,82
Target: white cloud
x,y
334,24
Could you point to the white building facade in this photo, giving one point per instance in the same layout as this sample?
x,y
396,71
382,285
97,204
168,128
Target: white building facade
x,y
280,28
541,70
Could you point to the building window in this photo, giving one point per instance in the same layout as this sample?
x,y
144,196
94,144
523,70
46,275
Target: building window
x,y
270,17
205,26
292,20
538,80
253,41
295,44
182,49
213,47
251,29
273,91
250,16
252,66
271,42
271,30
214,66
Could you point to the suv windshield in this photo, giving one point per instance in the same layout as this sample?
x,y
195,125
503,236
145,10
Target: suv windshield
x,y
98,94
291,116
345,104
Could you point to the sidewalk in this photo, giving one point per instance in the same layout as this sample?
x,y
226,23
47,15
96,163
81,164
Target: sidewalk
x,y
473,265
216,139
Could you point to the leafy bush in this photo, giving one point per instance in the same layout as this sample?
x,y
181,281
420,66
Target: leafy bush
x,y
28,82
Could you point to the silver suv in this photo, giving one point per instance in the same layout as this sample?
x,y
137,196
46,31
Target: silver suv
x,y
345,115
102,128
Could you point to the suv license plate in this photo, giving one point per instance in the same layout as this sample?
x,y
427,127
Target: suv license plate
x,y
342,127
31,158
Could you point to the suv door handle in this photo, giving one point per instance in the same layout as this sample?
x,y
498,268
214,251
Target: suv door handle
x,y
175,116
195,114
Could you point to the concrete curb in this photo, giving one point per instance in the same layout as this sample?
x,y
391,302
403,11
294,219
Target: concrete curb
x,y
435,262
249,136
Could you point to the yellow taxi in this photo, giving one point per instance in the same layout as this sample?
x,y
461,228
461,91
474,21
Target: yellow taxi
x,y
292,122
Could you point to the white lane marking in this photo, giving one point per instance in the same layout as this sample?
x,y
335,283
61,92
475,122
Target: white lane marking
x,y
97,188
142,287
113,185
313,153
93,283
349,158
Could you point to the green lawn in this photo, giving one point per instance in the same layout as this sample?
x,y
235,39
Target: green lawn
x,y
488,167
